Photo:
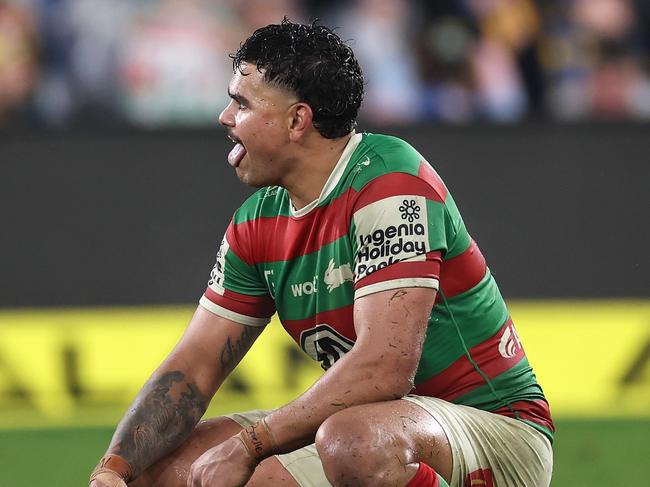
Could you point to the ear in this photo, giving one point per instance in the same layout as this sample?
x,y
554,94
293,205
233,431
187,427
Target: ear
x,y
300,120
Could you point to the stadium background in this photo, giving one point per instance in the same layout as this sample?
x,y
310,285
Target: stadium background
x,y
114,193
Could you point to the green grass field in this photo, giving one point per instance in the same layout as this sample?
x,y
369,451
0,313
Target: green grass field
x,y
587,453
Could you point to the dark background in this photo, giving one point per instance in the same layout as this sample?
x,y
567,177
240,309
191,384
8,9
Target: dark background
x,y
135,217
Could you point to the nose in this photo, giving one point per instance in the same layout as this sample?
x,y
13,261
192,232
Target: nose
x,y
227,117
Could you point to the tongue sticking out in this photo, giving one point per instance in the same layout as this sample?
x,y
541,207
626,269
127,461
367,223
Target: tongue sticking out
x,y
236,155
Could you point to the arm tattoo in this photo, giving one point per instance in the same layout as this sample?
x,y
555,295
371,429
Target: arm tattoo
x,y
234,350
161,418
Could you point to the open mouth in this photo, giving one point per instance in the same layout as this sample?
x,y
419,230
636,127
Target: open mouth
x,y
237,153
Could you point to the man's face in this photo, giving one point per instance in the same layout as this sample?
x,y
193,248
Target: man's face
x,y
258,118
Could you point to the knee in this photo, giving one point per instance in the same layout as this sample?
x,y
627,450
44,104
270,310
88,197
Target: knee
x,y
351,449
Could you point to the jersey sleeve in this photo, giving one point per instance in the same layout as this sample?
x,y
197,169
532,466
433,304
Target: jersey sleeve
x,y
398,234
235,289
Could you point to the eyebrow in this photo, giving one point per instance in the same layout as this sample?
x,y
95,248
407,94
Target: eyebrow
x,y
242,100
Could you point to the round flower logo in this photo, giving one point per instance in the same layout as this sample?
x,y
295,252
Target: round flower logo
x,y
410,210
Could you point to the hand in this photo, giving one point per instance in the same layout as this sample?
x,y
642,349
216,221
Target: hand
x,y
108,479
228,464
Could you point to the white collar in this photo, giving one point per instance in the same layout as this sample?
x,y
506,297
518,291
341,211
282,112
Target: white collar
x,y
334,177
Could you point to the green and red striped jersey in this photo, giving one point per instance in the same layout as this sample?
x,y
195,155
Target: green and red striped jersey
x,y
384,220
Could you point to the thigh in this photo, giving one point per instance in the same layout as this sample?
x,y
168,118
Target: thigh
x,y
173,470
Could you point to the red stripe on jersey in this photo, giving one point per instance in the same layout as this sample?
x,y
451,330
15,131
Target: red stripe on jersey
x,y
232,236
285,237
461,377
429,174
481,477
395,184
537,412
429,268
255,306
463,272
342,317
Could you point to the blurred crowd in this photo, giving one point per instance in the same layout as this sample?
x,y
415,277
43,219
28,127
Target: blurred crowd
x,y
156,63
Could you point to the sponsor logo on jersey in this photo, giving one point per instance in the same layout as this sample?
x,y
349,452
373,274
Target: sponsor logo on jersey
x,y
336,276
410,210
509,345
217,273
325,344
390,230
305,288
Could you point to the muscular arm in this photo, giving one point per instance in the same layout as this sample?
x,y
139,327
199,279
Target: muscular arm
x,y
390,327
173,400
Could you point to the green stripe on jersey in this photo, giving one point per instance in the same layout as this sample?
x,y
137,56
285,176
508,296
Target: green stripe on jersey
x,y
308,284
388,154
460,239
515,384
268,202
477,314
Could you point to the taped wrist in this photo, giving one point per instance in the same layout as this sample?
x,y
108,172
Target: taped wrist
x,y
113,464
258,440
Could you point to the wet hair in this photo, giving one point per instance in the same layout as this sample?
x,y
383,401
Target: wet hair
x,y
313,63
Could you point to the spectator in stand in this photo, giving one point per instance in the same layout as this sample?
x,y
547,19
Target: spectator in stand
x,y
446,35
79,43
18,58
594,55
381,35
477,58
175,61
161,62
509,30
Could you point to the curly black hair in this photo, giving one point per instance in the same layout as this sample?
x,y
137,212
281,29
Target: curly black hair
x,y
312,62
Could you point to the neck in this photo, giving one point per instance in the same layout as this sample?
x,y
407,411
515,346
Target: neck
x,y
313,168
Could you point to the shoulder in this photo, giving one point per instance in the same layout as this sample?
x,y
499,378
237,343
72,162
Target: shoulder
x,y
381,155
265,202
389,147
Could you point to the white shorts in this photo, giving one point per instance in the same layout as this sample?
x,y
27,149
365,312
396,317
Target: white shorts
x,y
514,453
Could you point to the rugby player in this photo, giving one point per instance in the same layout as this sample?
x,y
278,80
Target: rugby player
x,y
356,243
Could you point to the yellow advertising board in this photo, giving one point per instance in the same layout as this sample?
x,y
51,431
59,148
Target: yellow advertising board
x,y
591,357
84,366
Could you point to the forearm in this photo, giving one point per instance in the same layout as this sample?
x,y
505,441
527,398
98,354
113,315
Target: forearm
x,y
380,367
162,416
351,381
